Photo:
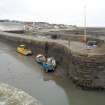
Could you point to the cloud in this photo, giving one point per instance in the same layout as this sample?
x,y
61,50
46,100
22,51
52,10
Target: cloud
x,y
54,11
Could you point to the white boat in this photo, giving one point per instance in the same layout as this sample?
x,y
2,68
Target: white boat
x,y
51,61
40,58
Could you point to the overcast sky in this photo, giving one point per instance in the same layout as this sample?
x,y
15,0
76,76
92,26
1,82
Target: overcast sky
x,y
54,11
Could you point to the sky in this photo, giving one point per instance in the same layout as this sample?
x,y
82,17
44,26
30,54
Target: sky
x,y
55,11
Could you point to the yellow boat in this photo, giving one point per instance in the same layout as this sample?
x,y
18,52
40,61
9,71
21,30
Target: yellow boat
x,y
23,50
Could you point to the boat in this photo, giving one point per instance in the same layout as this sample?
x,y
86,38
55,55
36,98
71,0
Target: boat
x,y
49,65
23,50
52,61
40,58
91,44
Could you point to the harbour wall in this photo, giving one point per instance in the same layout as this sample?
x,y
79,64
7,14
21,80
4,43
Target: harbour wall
x,y
86,72
89,72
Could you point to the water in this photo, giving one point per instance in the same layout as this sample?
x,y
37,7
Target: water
x,y
6,26
22,72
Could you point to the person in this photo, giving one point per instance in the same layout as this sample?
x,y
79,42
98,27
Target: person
x,y
46,49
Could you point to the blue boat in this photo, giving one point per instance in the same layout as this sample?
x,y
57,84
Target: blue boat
x,y
48,67
48,64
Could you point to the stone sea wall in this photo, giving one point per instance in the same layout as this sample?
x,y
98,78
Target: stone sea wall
x,y
89,72
86,72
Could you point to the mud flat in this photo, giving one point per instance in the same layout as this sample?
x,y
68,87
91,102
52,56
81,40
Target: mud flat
x,y
85,67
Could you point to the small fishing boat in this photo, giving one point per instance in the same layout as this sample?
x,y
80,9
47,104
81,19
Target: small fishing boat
x,y
48,64
40,59
23,50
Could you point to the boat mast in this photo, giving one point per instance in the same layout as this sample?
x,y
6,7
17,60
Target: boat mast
x,y
85,31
